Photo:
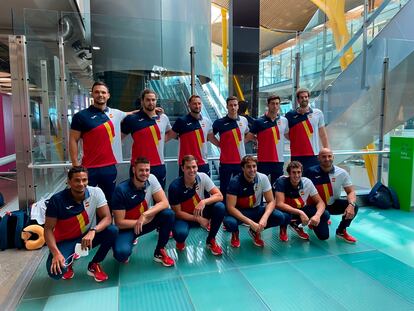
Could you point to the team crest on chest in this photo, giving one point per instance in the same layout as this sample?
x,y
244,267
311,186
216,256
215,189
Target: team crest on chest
x,y
111,115
302,192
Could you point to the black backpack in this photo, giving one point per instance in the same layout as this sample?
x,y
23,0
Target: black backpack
x,y
11,226
383,197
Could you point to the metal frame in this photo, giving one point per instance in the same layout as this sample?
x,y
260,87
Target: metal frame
x,y
286,156
22,119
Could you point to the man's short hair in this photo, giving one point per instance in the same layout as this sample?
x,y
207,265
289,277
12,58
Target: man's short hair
x,y
246,159
99,83
141,160
147,91
273,97
302,90
75,170
231,98
192,97
294,164
188,158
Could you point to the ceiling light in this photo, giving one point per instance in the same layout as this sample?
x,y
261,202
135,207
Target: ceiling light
x,y
96,48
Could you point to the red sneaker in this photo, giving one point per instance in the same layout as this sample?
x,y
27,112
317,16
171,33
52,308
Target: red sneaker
x,y
214,248
95,270
235,241
283,236
302,234
257,240
180,246
69,273
163,258
345,236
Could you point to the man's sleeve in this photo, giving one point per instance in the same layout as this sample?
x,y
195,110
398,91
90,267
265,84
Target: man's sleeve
x,y
347,180
208,183
321,120
215,127
313,191
125,126
176,126
173,194
155,184
51,208
279,185
168,123
255,128
233,186
76,123
265,183
117,200
100,197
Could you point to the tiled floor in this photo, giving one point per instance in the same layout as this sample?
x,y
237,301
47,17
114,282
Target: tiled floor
x,y
375,274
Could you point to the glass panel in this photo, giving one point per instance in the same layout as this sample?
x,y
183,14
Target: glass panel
x,y
44,93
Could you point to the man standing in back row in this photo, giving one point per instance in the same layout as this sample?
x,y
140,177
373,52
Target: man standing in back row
x,y
148,130
99,128
232,128
306,127
193,132
270,130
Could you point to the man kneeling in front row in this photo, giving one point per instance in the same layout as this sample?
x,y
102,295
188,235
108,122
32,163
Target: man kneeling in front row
x,y
192,208
297,196
244,204
71,219
140,206
329,180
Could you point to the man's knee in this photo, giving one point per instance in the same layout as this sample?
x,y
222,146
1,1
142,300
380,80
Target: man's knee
x,y
231,224
167,216
219,209
52,275
111,232
122,252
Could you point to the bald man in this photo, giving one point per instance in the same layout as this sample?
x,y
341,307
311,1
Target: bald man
x,y
329,180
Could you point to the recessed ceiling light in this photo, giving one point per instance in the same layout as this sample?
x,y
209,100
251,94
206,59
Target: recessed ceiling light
x,y
96,48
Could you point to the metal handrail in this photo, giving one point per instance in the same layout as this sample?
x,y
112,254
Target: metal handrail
x,y
286,156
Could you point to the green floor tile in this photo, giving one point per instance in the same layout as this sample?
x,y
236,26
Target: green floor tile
x,y
32,304
377,230
403,253
105,299
391,273
142,267
168,295
349,286
42,285
228,290
292,291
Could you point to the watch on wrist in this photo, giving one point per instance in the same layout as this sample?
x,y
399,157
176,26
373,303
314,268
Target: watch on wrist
x,y
93,229
351,203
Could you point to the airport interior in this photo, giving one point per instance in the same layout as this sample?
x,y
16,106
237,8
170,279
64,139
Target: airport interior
x,y
353,57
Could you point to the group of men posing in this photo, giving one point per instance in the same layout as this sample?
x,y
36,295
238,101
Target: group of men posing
x,y
253,191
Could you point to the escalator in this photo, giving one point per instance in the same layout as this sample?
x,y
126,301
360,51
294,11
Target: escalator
x,y
353,109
